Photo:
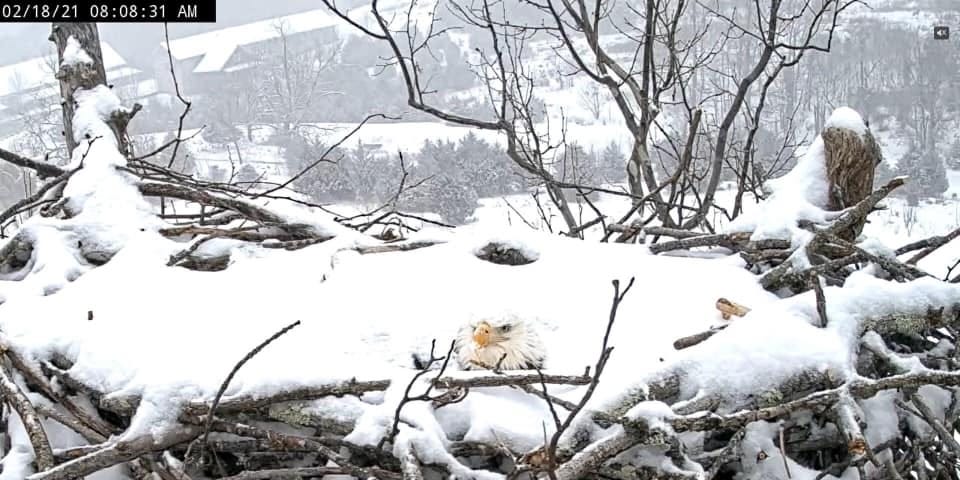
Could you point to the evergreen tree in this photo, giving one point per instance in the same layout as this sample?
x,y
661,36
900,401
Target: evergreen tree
x,y
486,167
928,176
372,177
883,174
216,173
576,166
448,196
612,166
247,174
953,155
221,132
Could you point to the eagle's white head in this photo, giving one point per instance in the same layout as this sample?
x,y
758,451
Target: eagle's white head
x,y
508,342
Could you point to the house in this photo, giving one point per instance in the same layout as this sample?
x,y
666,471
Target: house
x,y
203,61
29,89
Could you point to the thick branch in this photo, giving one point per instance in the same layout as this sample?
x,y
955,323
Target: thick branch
x,y
861,388
510,380
247,209
116,453
28,415
43,169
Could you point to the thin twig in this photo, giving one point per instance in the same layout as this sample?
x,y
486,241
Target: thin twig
x,y
821,300
226,381
186,103
605,351
425,396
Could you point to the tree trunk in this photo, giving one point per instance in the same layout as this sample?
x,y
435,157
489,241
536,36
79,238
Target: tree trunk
x,y
80,75
86,76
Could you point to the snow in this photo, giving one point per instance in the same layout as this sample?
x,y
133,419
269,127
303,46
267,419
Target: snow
x,y
939,400
360,322
847,118
801,194
363,315
909,364
430,450
762,458
880,414
216,41
865,296
74,54
781,336
102,197
654,413
895,14
375,340
17,464
894,147
496,416
343,410
107,208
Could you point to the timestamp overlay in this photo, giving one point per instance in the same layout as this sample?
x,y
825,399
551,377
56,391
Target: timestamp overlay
x,y
134,11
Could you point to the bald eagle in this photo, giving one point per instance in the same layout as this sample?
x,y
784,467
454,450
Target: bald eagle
x,y
506,343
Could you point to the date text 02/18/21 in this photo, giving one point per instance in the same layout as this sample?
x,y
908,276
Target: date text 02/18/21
x,y
157,11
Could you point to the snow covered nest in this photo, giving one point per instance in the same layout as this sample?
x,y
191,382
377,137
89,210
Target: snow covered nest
x,y
362,318
135,327
159,340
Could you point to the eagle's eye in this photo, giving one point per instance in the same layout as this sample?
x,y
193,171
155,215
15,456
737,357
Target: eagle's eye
x,y
506,328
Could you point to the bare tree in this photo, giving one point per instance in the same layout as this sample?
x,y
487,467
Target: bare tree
x,y
36,115
291,84
591,98
649,57
278,84
509,82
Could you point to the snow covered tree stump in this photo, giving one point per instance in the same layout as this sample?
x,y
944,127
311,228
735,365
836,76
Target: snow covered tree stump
x,y
81,66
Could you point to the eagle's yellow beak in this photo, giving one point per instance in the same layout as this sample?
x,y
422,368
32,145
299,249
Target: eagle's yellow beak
x,y
481,334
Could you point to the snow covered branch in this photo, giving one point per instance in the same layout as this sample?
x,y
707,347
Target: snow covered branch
x,y
115,452
16,399
43,169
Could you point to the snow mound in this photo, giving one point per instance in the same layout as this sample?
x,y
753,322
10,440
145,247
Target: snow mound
x,y
848,118
800,194
74,54
106,209
363,317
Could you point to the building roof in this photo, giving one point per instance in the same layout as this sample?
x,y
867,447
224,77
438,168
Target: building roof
x,y
215,48
38,72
